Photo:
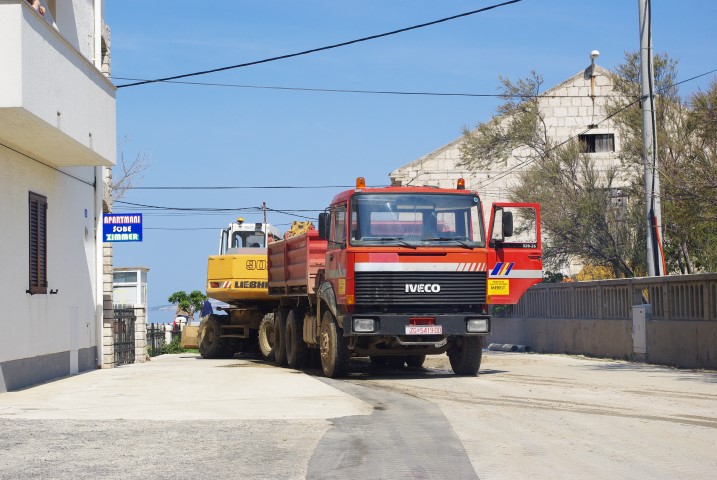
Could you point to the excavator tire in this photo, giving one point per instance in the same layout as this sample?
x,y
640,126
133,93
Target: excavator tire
x,y
266,336
211,346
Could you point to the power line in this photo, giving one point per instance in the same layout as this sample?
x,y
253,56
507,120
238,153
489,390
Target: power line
x,y
372,92
320,49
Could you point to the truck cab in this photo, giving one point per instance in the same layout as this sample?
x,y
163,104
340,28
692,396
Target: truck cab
x,y
411,271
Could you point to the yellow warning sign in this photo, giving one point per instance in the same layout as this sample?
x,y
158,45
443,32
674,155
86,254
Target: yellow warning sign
x,y
498,287
342,286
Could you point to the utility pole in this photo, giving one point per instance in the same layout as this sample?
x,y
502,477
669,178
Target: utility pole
x,y
655,258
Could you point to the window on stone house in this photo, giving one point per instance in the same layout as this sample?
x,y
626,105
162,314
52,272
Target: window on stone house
x,y
598,142
38,243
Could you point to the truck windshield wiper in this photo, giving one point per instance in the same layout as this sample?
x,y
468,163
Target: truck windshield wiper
x,y
398,240
463,243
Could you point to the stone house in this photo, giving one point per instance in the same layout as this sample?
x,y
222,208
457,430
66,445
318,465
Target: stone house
x,y
573,109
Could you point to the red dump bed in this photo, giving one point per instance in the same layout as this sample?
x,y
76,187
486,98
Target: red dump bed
x,y
294,262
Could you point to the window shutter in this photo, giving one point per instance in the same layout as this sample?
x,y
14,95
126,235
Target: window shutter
x,y
38,243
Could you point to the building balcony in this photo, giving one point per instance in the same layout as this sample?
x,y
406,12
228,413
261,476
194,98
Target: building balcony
x,y
55,105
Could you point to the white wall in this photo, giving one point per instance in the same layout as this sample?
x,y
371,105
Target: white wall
x,y
36,325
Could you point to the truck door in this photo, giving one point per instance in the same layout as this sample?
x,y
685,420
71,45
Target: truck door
x,y
336,253
515,255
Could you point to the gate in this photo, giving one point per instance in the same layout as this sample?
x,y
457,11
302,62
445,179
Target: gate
x,y
125,319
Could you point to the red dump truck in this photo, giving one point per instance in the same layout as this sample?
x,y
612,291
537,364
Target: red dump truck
x,y
398,273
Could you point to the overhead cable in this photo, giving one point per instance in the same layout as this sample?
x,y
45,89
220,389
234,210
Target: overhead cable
x,y
321,49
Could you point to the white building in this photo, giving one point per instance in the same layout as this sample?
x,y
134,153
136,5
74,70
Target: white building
x,y
571,109
57,135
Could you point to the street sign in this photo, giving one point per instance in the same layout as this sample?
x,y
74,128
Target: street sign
x,y
122,227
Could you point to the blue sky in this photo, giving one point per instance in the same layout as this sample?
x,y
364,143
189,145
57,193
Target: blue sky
x,y
207,136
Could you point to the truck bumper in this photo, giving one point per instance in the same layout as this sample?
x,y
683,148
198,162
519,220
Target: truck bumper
x,y
398,324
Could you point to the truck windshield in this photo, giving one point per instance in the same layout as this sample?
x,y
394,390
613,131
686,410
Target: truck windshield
x,y
416,220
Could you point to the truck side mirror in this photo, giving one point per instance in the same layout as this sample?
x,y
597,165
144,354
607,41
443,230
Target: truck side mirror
x,y
507,224
324,225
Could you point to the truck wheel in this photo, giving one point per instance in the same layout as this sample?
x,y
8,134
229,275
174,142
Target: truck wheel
x,y
333,347
211,346
279,332
465,355
266,337
296,348
415,360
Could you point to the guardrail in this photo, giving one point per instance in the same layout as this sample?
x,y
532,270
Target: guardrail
x,y
596,318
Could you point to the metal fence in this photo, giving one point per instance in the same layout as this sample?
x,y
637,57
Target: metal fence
x,y
155,339
124,337
679,297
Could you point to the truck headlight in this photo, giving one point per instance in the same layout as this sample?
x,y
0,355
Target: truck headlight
x,y
477,325
364,325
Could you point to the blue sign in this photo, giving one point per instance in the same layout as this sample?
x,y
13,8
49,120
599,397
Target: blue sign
x,y
122,227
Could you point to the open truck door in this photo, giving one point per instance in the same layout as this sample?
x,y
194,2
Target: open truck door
x,y
515,258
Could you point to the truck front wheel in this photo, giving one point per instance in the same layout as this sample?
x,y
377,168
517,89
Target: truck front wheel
x,y
279,337
465,354
296,349
333,347
211,346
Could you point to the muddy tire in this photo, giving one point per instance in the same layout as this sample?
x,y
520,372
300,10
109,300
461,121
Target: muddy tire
x,y
266,337
279,339
211,345
333,347
415,360
296,348
465,355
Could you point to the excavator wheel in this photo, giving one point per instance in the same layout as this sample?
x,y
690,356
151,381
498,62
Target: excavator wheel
x,y
211,346
266,336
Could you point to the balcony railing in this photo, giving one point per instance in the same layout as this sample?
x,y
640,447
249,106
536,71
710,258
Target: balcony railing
x,y
55,105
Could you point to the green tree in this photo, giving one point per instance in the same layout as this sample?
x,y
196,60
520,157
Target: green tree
x,y
687,159
190,303
579,214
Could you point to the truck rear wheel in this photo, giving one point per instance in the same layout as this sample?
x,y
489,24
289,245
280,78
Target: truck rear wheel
x,y
266,337
465,355
333,347
211,346
296,348
279,337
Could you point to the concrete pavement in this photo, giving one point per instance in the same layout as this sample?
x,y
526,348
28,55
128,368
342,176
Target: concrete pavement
x,y
166,389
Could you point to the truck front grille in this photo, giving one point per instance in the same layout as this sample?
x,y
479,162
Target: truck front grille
x,y
408,288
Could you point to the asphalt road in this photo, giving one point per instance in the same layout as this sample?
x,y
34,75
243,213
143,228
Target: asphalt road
x,y
525,415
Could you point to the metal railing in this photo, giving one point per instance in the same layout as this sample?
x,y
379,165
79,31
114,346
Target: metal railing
x,y
676,298
155,339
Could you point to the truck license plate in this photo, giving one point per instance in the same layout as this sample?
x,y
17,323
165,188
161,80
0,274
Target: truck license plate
x,y
424,329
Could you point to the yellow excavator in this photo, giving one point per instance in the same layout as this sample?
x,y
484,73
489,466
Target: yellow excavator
x,y
238,277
